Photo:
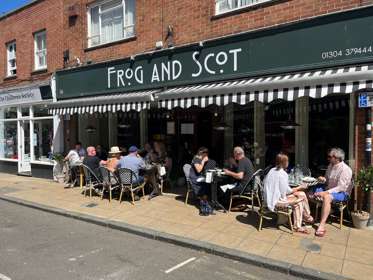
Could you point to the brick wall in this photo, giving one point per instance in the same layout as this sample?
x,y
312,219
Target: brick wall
x,y
20,26
192,20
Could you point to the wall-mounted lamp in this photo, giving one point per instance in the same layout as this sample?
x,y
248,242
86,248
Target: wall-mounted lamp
x,y
170,36
200,44
132,58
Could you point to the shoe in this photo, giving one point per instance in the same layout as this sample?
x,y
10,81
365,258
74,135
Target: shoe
x,y
320,232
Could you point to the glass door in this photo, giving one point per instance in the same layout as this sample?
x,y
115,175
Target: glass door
x,y
24,161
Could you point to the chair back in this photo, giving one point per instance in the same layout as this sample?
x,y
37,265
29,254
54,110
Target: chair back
x,y
210,164
186,169
126,176
89,175
252,182
105,175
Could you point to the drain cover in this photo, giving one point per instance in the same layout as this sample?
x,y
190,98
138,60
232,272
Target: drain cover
x,y
308,245
91,205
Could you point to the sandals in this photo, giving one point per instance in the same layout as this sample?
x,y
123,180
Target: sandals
x,y
302,230
310,220
320,232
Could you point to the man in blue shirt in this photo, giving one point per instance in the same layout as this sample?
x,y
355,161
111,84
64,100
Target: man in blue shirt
x,y
133,162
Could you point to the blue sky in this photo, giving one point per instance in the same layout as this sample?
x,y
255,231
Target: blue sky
x,y
8,5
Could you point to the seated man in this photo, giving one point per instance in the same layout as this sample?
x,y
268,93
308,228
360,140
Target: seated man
x,y
133,162
337,187
74,161
243,172
91,160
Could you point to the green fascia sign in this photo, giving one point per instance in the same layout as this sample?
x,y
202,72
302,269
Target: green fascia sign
x,y
337,39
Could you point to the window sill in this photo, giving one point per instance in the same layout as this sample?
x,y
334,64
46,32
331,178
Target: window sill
x,y
9,159
39,71
125,40
42,162
245,9
8,78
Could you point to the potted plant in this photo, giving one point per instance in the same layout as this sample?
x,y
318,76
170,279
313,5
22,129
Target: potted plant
x,y
364,180
58,173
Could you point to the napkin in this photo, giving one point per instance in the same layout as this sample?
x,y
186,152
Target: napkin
x,y
226,187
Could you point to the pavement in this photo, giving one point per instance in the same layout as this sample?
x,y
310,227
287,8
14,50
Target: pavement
x,y
38,245
342,253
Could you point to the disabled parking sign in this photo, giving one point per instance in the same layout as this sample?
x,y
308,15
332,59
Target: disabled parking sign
x,y
365,100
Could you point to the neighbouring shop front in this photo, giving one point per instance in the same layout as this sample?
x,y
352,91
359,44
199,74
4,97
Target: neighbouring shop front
x,y
291,88
26,130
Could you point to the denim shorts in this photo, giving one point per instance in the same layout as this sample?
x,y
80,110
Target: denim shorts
x,y
337,197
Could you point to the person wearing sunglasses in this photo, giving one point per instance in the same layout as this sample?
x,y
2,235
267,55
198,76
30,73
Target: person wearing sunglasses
x,y
337,185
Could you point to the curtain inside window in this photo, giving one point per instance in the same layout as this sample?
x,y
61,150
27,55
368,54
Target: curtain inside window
x,y
129,27
112,24
95,26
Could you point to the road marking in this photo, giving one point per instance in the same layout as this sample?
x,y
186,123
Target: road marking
x,y
180,265
3,277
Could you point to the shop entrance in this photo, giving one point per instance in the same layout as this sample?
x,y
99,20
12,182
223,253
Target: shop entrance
x,y
24,154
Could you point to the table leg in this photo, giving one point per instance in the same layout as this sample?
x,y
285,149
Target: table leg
x,y
81,177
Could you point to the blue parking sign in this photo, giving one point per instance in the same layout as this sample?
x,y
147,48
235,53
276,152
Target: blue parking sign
x,y
363,101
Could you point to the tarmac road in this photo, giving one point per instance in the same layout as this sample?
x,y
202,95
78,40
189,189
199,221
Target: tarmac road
x,y
36,245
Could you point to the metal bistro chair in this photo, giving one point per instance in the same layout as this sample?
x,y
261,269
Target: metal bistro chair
x,y
286,210
186,169
340,205
110,182
126,179
250,191
91,180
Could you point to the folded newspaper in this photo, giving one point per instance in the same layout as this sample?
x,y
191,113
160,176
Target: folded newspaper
x,y
226,187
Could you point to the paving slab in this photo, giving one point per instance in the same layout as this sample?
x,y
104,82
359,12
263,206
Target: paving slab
x,y
235,234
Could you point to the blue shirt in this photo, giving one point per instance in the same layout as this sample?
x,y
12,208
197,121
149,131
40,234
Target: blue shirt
x,y
131,162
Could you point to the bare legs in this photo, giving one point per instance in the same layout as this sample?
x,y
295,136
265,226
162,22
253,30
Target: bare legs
x,y
325,211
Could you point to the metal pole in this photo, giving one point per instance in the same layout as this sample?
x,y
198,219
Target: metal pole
x,y
368,137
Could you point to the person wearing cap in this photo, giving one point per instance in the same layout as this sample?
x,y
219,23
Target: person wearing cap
x,y
133,162
114,157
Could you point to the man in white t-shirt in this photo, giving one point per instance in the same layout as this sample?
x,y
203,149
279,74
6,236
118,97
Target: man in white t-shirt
x,y
74,160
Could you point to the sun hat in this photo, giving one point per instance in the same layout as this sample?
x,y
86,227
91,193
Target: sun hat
x,y
115,150
132,149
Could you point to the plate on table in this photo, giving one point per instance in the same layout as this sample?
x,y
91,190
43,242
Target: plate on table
x,y
309,180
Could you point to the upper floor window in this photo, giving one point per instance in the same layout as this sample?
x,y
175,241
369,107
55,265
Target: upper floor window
x,y
40,50
11,59
223,6
110,21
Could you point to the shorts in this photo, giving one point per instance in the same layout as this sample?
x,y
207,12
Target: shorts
x,y
337,197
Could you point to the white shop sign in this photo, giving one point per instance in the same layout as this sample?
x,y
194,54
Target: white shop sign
x,y
20,96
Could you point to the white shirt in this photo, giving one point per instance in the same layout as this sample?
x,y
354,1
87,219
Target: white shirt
x,y
338,178
73,157
276,187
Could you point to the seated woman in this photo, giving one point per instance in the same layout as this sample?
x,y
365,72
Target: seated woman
x,y
200,188
277,193
114,157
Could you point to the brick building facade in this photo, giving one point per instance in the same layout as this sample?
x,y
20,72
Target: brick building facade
x,y
178,24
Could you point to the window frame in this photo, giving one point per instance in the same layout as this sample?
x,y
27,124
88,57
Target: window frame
x,y
8,68
89,23
37,67
218,13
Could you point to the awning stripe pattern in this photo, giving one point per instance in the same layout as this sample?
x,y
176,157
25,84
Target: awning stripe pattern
x,y
316,84
125,102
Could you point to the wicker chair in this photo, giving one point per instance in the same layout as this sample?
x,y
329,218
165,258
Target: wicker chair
x,y
285,210
126,180
109,180
186,169
340,205
92,182
250,191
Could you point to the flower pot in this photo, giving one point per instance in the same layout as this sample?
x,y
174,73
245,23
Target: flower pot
x,y
360,219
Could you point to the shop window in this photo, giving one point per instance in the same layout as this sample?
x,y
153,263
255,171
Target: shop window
x,y
25,111
223,6
111,21
41,111
8,140
8,113
43,140
40,50
243,129
11,59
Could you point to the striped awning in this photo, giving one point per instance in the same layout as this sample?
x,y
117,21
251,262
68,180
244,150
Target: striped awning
x,y
315,84
125,102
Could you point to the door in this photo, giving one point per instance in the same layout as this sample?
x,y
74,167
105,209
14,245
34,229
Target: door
x,y
24,159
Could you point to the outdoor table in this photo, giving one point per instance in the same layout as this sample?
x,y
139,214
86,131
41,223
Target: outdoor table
x,y
216,178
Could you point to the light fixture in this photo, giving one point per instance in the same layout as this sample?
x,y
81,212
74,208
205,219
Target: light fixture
x,y
200,44
124,125
289,124
90,129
